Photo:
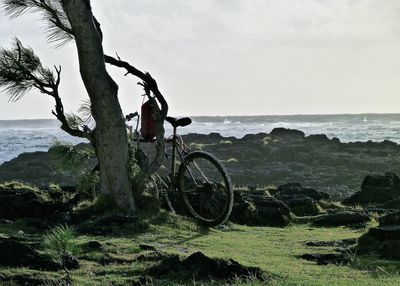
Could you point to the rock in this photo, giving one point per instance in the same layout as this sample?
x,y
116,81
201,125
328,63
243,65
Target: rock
x,y
293,189
92,245
273,212
21,201
301,201
35,168
14,253
325,259
342,218
382,233
257,159
376,189
318,138
200,266
392,204
302,206
70,262
252,208
288,134
383,241
345,243
390,219
107,260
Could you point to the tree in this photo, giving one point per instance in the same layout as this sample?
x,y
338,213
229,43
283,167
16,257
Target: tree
x,y
21,70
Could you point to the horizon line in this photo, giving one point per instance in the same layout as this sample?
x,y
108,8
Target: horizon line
x,y
247,115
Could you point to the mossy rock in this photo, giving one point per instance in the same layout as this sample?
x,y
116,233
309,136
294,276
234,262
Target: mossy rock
x,y
303,206
381,241
376,190
342,218
259,208
18,200
390,219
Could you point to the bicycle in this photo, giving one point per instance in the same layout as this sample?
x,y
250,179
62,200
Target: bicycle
x,y
200,180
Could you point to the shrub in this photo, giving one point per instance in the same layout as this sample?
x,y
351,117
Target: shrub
x,y
59,244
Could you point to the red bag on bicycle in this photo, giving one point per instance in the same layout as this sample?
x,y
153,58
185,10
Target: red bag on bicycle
x,y
147,122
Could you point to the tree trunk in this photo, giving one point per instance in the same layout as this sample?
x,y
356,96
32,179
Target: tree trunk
x,y
110,133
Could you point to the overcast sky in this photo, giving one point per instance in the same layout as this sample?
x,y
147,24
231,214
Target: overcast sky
x,y
235,57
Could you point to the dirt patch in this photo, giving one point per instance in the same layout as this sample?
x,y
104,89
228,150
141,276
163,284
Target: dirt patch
x,y
333,243
326,258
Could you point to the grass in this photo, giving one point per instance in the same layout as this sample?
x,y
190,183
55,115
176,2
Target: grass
x,y
274,250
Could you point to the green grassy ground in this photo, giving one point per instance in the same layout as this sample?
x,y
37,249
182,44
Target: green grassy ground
x,y
274,250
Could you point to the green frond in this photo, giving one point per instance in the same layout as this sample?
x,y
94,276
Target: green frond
x,y
69,157
57,24
52,13
74,121
85,110
21,70
59,242
16,8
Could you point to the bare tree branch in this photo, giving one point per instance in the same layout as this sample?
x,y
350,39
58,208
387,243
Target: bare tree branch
x,y
150,86
150,82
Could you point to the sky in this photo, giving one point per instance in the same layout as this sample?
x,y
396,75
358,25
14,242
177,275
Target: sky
x,y
233,57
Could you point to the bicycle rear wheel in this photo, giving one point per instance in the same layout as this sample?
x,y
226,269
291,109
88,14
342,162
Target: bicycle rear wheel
x,y
206,188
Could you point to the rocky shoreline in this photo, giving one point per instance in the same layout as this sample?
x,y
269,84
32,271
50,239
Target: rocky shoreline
x,y
280,157
288,156
281,178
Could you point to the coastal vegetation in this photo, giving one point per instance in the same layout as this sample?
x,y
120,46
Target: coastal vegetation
x,y
21,70
127,255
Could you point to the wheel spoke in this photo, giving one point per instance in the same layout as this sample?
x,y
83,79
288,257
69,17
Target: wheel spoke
x,y
205,188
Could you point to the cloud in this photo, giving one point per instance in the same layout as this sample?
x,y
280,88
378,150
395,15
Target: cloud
x,y
282,54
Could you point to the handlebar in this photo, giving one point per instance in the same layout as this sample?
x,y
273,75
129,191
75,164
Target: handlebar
x,y
130,116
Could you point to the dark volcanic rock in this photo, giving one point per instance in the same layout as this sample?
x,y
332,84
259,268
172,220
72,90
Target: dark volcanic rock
x,y
293,189
301,206
288,134
22,202
256,208
390,219
201,267
258,159
15,253
319,138
376,189
301,201
34,168
19,201
392,204
325,259
383,240
345,243
343,218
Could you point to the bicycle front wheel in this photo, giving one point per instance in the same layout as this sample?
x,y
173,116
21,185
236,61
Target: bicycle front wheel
x,y
206,188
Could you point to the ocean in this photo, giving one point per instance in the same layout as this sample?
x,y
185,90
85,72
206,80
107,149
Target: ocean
x,y
19,136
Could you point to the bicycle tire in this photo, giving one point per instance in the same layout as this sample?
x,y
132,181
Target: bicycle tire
x,y
206,188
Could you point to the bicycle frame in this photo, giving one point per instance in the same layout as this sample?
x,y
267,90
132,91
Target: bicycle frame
x,y
175,146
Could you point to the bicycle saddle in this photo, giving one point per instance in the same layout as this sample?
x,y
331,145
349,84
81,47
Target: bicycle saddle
x,y
175,122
